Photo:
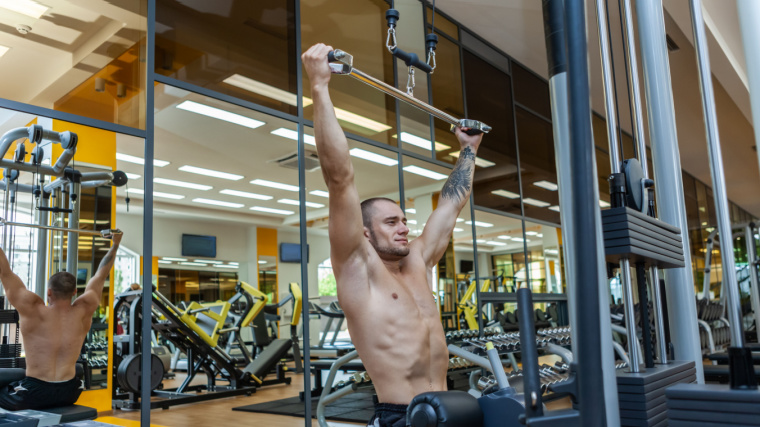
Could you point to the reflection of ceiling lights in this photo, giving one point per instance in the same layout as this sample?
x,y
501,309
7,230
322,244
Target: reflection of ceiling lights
x,y
262,261
4,49
460,220
157,194
291,134
495,243
457,230
535,202
411,210
297,203
483,163
246,194
174,259
480,224
421,142
539,235
531,233
220,114
164,262
320,193
218,203
139,160
554,208
197,264
411,221
264,89
505,193
271,210
29,8
209,261
132,175
227,266
551,251
424,172
372,157
361,121
272,184
183,184
505,237
603,204
547,185
211,172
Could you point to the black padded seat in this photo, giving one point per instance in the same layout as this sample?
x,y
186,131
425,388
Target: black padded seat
x,y
722,358
8,375
269,357
719,373
73,413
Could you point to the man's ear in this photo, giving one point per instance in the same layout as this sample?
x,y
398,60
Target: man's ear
x,y
366,232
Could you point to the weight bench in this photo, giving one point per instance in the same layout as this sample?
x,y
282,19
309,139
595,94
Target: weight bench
x,y
722,358
68,413
269,359
720,373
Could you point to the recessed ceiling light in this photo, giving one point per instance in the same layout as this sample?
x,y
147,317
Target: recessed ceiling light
x,y
424,172
411,221
218,203
534,202
457,230
531,233
551,251
478,241
604,204
460,220
220,114
4,50
539,235
139,160
157,194
411,211
361,121
261,261
297,203
226,266
372,157
505,193
421,142
554,208
320,193
519,239
273,184
480,224
483,163
495,243
232,263
505,237
271,210
264,89
209,261
210,172
547,185
164,262
174,259
29,8
291,134
182,184
198,264
246,194
132,175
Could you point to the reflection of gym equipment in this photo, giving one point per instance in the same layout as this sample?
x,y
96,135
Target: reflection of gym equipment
x,y
195,331
467,311
333,348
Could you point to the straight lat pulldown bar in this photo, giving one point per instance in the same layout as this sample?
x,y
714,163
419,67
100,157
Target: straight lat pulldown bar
x,y
102,233
342,63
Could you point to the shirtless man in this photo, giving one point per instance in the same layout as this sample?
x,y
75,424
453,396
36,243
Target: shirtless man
x,y
383,280
53,334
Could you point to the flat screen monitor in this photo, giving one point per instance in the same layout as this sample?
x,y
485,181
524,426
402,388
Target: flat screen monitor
x,y
291,252
82,276
466,266
202,246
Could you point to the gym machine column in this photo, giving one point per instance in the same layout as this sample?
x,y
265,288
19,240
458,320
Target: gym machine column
x,y
749,16
754,294
667,170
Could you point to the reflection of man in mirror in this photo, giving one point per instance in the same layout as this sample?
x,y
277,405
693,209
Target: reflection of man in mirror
x,y
53,335
383,280
135,287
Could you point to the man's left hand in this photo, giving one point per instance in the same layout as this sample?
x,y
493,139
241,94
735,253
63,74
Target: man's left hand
x,y
466,140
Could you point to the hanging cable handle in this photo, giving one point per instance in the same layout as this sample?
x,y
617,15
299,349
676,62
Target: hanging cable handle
x,y
411,60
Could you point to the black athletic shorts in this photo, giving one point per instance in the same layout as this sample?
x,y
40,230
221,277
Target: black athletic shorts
x,y
32,393
388,415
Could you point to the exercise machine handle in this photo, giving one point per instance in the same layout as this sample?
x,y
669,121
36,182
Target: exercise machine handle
x,y
411,60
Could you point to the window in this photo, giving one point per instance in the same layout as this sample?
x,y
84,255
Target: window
x,y
327,284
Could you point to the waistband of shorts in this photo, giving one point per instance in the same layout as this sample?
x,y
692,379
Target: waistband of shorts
x,y
74,380
391,407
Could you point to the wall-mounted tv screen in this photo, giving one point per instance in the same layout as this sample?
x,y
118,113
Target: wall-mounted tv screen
x,y
466,266
291,252
194,245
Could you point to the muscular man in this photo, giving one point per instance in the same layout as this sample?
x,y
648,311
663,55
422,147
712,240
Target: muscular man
x,y
383,280
53,334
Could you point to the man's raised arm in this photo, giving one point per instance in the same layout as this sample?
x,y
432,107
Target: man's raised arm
x,y
345,223
454,195
94,290
19,297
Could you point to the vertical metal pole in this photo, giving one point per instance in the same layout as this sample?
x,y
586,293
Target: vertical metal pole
x,y
42,249
72,248
749,16
659,317
754,295
147,275
529,356
733,303
669,183
586,222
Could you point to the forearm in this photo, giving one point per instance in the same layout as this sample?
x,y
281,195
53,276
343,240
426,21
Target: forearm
x,y
104,268
332,145
456,191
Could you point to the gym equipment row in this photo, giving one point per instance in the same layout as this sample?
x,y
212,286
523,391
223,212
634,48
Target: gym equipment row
x,y
333,348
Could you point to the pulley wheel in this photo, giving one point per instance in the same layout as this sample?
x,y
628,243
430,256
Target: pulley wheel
x,y
129,373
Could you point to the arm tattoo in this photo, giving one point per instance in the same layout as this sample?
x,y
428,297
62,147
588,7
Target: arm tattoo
x,y
106,261
458,185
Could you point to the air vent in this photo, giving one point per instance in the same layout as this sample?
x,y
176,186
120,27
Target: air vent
x,y
311,161
672,46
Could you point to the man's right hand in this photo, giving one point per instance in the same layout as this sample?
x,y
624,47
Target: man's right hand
x,y
317,67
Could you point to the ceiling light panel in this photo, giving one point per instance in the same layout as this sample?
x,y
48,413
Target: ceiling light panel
x,y
4,50
264,89
554,208
174,259
372,157
28,8
505,193
246,194
421,142
272,211
319,193
139,160
211,173
218,203
297,203
480,224
157,194
132,175
273,184
425,172
220,114
291,134
483,163
546,185
182,184
361,121
535,202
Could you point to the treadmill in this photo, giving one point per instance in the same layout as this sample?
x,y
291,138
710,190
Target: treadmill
x,y
334,348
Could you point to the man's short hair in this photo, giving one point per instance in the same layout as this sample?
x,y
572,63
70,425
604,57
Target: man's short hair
x,y
367,211
63,285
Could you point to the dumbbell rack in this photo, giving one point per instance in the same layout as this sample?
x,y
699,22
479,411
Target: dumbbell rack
x,y
94,356
713,338
10,353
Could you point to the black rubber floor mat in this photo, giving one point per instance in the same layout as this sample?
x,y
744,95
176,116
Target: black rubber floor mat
x,y
358,408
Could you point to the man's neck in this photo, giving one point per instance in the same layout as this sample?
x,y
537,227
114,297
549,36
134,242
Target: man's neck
x,y
392,264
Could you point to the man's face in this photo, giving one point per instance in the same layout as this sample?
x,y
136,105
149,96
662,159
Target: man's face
x,y
389,230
